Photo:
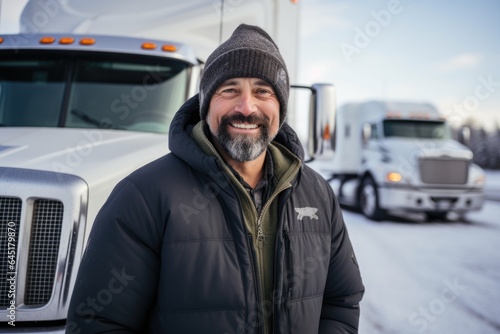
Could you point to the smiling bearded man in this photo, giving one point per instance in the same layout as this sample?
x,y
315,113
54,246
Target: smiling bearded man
x,y
230,232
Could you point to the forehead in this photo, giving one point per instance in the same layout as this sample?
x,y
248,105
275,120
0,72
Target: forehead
x,y
241,81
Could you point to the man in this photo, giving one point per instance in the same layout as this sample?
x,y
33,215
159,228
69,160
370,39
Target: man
x,y
230,232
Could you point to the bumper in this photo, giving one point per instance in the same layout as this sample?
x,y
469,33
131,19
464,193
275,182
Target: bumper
x,y
34,330
431,200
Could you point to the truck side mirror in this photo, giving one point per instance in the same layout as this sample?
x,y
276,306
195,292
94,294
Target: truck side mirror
x,y
322,110
366,133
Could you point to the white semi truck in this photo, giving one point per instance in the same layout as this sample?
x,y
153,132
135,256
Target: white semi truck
x,y
80,110
400,156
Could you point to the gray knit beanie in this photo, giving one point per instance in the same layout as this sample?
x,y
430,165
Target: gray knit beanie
x,y
249,53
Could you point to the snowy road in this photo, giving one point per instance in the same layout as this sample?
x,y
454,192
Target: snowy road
x,y
439,277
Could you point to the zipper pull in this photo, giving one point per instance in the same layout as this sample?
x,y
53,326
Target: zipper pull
x,y
260,235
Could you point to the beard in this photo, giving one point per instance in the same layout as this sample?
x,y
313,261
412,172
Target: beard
x,y
241,147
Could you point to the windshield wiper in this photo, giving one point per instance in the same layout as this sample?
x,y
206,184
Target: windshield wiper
x,y
90,120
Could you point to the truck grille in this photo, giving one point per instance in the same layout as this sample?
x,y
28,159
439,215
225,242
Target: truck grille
x,y
10,212
444,170
45,212
43,251
46,224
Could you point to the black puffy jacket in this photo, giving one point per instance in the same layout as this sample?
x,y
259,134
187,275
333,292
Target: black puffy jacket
x,y
169,252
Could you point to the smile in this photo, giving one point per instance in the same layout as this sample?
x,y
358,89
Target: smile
x,y
245,126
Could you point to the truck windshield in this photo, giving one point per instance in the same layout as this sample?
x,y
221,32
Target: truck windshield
x,y
78,92
416,129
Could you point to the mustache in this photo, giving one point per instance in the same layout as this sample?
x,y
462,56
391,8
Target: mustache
x,y
240,118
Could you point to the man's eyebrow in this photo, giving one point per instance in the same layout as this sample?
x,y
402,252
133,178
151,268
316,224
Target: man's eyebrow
x,y
229,82
261,82
235,82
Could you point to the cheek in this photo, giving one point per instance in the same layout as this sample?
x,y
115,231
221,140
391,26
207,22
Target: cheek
x,y
275,127
275,122
211,116
216,111
212,125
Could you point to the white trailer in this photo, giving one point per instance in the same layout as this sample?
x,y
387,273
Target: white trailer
x,y
400,156
80,110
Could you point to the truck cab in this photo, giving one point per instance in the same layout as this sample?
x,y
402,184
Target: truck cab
x,y
77,114
400,156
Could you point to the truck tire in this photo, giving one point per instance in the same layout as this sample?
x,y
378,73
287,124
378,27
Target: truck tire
x,y
369,200
437,215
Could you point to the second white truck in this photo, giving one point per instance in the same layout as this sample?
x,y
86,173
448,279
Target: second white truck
x,y
400,156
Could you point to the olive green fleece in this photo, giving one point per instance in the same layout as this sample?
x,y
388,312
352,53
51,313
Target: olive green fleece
x,y
286,168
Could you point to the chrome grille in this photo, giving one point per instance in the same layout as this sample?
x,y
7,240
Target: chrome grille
x,y
50,240
43,251
444,170
10,212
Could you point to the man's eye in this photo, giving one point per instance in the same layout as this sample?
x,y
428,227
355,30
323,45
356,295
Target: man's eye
x,y
228,91
264,91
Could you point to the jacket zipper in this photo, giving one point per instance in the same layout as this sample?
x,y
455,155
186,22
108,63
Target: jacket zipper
x,y
251,251
256,281
260,233
288,276
261,240
287,291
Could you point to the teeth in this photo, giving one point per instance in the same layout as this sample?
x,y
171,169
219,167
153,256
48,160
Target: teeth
x,y
244,126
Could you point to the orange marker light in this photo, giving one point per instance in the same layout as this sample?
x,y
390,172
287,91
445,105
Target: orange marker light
x,y
87,41
393,114
148,46
67,40
1,40
47,40
169,48
326,132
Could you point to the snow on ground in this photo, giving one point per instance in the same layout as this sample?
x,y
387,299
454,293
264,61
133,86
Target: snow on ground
x,y
437,278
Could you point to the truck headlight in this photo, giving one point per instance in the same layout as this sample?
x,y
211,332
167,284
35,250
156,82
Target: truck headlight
x,y
479,180
394,177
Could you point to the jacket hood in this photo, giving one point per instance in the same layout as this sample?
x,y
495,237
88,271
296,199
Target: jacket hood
x,y
182,145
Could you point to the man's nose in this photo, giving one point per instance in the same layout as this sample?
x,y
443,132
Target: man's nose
x,y
246,104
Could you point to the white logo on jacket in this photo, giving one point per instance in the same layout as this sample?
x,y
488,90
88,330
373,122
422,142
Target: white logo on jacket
x,y
306,212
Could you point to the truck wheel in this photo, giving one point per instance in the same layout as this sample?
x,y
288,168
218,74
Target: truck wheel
x,y
369,200
436,215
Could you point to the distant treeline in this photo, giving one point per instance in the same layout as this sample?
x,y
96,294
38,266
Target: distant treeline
x,y
484,144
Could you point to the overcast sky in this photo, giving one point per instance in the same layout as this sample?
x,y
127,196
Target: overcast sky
x,y
446,52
